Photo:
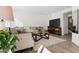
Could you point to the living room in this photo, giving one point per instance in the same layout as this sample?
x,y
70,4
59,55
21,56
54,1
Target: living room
x,y
32,26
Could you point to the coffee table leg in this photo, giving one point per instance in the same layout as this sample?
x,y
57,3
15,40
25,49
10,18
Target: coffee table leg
x,y
46,36
34,37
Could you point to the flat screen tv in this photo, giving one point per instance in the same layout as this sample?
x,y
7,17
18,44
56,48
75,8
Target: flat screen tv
x,y
55,22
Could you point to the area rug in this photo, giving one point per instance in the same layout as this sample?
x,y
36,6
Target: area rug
x,y
47,42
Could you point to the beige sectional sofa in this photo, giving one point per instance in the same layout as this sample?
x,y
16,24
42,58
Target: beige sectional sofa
x,y
24,36
25,41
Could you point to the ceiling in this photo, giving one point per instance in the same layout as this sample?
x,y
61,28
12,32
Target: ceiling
x,y
39,9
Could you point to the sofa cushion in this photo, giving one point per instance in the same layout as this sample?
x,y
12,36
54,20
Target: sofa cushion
x,y
25,41
21,29
13,31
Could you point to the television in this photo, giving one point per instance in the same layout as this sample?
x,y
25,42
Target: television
x,y
54,22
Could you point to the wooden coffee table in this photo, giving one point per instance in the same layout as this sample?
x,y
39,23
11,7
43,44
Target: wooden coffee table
x,y
39,36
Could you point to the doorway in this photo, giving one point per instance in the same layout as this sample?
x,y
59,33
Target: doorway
x,y
67,25
70,24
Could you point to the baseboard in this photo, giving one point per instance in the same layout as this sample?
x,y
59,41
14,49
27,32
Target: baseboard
x,y
20,51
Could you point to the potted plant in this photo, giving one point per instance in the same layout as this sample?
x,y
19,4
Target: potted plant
x,y
40,29
7,41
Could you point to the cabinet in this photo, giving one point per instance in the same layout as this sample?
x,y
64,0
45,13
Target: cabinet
x,y
54,30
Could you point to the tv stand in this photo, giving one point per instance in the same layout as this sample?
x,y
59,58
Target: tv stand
x,y
54,30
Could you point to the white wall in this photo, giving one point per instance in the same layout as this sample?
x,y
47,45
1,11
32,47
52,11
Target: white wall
x,y
29,19
35,19
65,23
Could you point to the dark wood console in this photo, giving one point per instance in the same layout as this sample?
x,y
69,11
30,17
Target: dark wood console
x,y
54,30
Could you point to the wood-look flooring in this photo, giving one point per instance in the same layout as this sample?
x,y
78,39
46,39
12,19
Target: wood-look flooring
x,y
64,47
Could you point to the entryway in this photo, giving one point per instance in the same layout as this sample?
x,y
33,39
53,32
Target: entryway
x,y
67,25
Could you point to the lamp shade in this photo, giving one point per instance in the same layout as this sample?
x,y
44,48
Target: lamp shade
x,y
6,13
